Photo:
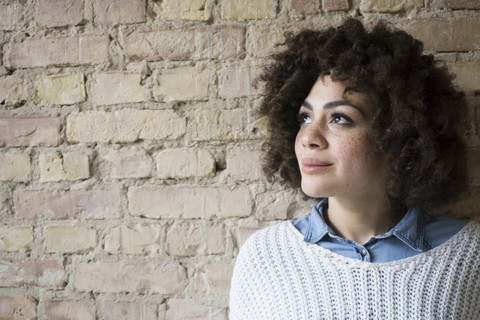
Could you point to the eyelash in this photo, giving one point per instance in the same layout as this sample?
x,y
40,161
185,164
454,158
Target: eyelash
x,y
301,118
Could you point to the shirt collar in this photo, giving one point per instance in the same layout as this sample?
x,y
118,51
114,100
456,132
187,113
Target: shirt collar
x,y
410,230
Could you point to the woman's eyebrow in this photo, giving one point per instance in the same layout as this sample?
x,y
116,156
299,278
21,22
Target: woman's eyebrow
x,y
333,104
336,103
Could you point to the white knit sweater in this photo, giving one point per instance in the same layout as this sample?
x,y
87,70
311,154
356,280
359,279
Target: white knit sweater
x,y
279,276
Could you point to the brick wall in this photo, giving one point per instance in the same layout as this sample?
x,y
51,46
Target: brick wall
x,y
130,147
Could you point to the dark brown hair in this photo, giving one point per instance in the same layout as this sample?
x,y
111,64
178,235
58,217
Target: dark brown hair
x,y
417,108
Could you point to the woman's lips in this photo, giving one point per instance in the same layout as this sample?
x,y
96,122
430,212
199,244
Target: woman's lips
x,y
313,165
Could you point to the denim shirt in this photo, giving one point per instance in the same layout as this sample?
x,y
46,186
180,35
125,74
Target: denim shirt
x,y
417,232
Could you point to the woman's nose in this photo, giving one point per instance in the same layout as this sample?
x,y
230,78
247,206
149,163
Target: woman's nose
x,y
313,137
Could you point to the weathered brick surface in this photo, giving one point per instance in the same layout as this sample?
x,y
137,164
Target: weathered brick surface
x,y
249,9
70,309
126,125
12,90
219,125
457,4
126,310
185,9
213,278
130,162
172,83
34,130
131,144
14,166
189,202
114,12
197,43
241,234
184,163
341,5
53,13
138,276
180,309
15,238
467,75
17,307
46,273
384,5
135,239
78,204
117,87
190,240
245,164
61,88
57,166
69,239
456,34
57,51
306,6
11,15
236,82
273,205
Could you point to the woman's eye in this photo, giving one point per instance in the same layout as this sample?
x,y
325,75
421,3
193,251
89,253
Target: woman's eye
x,y
303,118
339,118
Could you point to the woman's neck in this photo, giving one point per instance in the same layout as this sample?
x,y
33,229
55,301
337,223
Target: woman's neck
x,y
360,220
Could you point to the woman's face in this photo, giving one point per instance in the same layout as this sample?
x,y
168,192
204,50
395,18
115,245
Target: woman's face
x,y
334,145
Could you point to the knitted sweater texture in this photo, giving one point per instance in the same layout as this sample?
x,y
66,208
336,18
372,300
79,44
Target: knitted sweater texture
x,y
279,276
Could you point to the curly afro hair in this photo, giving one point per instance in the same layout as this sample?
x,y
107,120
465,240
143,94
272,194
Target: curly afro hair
x,y
417,113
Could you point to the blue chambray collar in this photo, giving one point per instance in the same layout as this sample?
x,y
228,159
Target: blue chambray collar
x,y
410,230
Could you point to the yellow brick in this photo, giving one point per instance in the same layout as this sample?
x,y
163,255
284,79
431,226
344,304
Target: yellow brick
x,y
172,84
15,238
219,125
467,75
69,166
117,87
249,9
61,88
12,90
14,166
185,9
132,240
69,239
389,5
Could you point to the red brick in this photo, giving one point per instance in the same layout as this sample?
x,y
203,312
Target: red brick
x,y
34,130
459,4
77,204
130,276
54,13
70,51
70,309
306,6
192,43
460,34
17,307
31,272
11,13
126,310
180,309
335,5
213,278
114,12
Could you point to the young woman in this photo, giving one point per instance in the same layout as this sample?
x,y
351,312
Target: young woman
x,y
366,123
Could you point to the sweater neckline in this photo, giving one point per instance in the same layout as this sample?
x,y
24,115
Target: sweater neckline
x,y
351,261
